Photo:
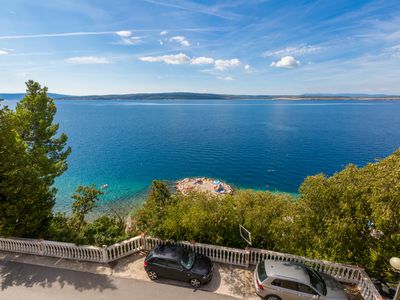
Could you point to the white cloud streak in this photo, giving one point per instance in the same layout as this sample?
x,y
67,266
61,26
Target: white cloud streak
x,y
302,49
124,33
181,58
288,62
227,78
3,52
33,36
223,65
87,60
181,40
164,32
174,59
127,38
202,60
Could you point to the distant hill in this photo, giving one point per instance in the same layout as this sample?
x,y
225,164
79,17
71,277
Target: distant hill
x,y
204,96
353,95
19,96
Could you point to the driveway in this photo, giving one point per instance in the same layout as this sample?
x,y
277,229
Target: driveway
x,y
30,282
231,281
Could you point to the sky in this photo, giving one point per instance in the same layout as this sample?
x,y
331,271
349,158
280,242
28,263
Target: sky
x,y
83,47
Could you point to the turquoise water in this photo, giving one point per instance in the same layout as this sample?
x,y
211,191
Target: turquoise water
x,y
270,145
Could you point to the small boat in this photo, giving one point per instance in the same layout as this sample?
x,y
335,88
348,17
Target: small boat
x,y
104,186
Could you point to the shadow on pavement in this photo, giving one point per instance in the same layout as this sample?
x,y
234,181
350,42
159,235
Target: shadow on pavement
x,y
21,274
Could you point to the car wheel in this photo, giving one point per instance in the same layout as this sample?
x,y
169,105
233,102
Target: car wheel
x,y
272,297
152,275
195,283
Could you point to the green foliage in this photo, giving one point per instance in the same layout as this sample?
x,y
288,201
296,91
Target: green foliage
x,y
153,210
85,198
105,230
351,217
31,157
354,216
215,219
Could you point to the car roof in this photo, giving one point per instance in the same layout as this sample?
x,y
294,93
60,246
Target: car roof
x,y
287,270
168,252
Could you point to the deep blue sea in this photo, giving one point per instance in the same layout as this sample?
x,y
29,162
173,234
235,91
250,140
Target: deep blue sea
x,y
270,145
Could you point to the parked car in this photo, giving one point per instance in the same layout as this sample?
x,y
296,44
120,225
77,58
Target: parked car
x,y
386,291
278,280
178,263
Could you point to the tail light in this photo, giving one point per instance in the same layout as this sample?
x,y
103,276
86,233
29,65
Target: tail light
x,y
145,264
260,286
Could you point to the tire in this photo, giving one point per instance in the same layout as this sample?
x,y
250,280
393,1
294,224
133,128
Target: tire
x,y
194,282
272,297
152,275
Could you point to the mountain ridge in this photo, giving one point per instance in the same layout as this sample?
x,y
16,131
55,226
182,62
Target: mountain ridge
x,y
210,96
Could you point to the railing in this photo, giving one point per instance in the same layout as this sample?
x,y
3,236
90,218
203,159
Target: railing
x,y
54,249
125,248
342,272
221,254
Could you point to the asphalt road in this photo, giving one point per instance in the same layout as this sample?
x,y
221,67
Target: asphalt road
x,y
20,281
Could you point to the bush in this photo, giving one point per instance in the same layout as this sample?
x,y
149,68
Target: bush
x,y
351,217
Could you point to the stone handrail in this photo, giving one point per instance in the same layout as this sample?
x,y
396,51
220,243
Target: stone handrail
x,y
215,253
251,256
54,249
125,248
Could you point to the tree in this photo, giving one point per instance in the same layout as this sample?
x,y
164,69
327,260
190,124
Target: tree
x,y
31,157
151,214
35,114
354,215
85,198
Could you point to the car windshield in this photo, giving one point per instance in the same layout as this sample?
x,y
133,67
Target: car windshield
x,y
316,281
262,275
188,259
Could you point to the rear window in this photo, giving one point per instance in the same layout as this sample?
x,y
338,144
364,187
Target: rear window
x,y
262,275
149,256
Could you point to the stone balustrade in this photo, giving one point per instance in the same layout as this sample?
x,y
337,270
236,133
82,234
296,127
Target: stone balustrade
x,y
240,257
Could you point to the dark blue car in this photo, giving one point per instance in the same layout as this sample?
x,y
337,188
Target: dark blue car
x,y
175,262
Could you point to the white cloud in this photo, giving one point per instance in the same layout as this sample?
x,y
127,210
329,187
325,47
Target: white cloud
x,y
164,32
202,60
247,68
3,52
223,65
393,51
181,58
174,59
161,42
127,38
227,78
133,40
302,49
87,60
46,35
288,62
181,40
124,33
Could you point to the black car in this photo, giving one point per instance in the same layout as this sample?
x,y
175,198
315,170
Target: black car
x,y
175,262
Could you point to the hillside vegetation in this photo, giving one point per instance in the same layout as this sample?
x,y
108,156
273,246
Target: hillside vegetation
x,y
351,217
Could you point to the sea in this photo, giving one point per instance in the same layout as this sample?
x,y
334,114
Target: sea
x,y
262,144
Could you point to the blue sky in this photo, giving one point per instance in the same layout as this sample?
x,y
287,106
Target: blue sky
x,y
239,46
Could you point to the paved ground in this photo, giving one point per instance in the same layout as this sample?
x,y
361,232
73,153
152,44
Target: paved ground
x,y
24,281
227,281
